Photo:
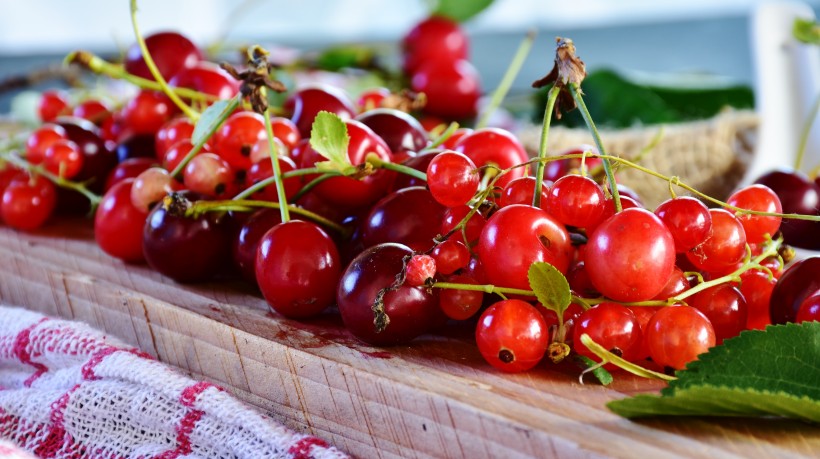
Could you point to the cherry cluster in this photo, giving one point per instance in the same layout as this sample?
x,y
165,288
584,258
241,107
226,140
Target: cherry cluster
x,y
414,229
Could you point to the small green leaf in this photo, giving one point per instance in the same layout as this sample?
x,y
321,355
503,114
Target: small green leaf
x,y
603,376
550,287
609,357
328,136
458,10
211,119
772,372
708,400
807,31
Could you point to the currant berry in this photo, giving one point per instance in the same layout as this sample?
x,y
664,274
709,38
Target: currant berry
x,y
452,178
419,268
236,138
760,198
688,220
612,326
676,335
53,104
521,191
63,158
28,202
459,304
42,138
724,247
210,176
150,186
577,201
451,255
725,308
118,225
512,336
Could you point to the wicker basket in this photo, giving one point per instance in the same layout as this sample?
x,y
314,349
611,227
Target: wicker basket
x,y
710,155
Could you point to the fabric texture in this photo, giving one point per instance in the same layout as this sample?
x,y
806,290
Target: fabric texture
x,y
69,391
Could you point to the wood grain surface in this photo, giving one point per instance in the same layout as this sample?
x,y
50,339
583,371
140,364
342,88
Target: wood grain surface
x,y
435,398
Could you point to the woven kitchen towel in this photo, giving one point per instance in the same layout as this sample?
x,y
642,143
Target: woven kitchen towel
x,y
68,391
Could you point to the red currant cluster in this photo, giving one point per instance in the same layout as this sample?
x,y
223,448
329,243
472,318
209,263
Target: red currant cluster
x,y
403,230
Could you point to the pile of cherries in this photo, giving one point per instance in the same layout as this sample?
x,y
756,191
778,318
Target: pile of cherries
x,y
400,256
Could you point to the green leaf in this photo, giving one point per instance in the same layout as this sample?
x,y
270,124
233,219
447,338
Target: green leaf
x,y
807,31
336,58
211,119
458,10
328,136
550,287
603,376
772,372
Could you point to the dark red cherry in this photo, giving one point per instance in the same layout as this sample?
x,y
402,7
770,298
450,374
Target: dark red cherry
x,y
796,284
409,216
306,102
170,51
207,77
400,131
136,146
247,240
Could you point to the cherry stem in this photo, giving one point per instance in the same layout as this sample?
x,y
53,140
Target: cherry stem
x,y
486,288
93,198
272,179
312,184
232,104
245,205
508,79
575,90
152,67
274,159
542,147
769,250
804,134
100,66
453,127
379,163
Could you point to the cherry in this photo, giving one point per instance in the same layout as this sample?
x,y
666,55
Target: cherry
x,y
757,288
186,249
412,310
118,225
688,220
676,335
760,198
130,168
451,255
306,102
136,146
400,131
98,162
53,104
246,242
724,247
725,308
436,39
472,230
92,110
452,88
452,178
419,163
579,282
575,200
208,78
497,147
512,336
630,256
809,309
797,195
409,216
459,304
521,190
612,326
264,169
170,51
796,284
63,158
147,112
297,269
285,130
517,236
28,202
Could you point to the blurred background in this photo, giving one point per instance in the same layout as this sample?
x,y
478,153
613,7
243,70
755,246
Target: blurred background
x,y
695,37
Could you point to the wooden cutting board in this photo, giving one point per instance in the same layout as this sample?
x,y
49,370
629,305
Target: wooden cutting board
x,y
435,398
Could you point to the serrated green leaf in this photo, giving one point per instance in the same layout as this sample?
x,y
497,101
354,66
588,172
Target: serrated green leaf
x,y
328,136
211,119
458,10
807,31
705,400
604,377
550,287
775,372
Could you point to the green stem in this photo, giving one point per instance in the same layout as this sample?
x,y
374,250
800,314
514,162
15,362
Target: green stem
x,y
486,288
312,184
804,134
542,147
56,179
199,207
117,72
576,94
211,130
453,127
152,67
277,171
379,163
271,180
507,81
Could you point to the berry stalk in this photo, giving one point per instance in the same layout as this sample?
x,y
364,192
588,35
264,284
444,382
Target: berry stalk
x,y
277,171
507,81
542,146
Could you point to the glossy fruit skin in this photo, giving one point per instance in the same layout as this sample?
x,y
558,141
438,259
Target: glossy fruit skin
x,y
725,307
809,309
472,230
459,304
183,248
27,202
797,195
576,200
452,178
412,310
246,242
495,146
434,39
611,325
419,163
171,52
757,288
53,104
236,138
724,247
98,162
400,131
760,198
136,146
512,336
118,225
796,284
409,216
517,236
521,191
676,335
688,220
308,101
630,256
452,88
297,269
208,78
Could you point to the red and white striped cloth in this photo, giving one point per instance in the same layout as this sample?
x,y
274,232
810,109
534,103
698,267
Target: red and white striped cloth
x,y
68,391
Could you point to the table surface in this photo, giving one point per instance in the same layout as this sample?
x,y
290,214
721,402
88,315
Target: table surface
x,y
434,398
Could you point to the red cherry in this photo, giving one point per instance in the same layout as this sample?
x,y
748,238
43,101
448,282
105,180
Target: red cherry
x,y
28,202
435,39
170,51
452,88
118,224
